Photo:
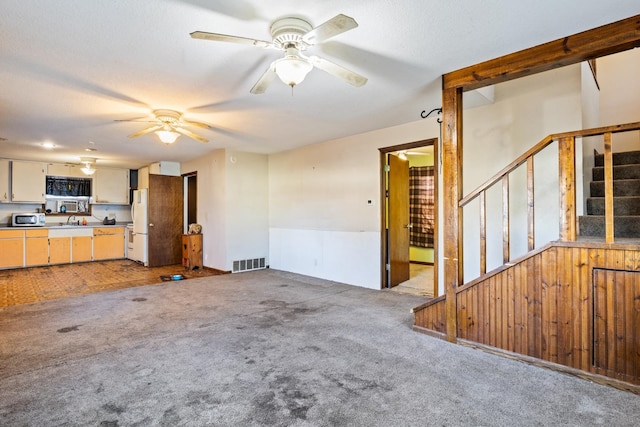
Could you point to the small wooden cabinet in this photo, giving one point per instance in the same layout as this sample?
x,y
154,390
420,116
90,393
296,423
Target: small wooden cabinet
x,y
59,250
108,243
192,251
81,248
37,247
12,244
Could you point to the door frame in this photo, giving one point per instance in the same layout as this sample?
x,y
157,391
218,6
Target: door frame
x,y
383,202
186,178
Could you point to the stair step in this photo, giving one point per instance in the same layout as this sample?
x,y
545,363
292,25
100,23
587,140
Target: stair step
x,y
622,206
623,226
625,158
619,172
621,188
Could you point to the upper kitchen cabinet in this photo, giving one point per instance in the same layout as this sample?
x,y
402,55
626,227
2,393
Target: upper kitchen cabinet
x,y
59,169
111,186
4,180
28,182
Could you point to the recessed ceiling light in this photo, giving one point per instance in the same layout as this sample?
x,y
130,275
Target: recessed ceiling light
x,y
48,145
90,149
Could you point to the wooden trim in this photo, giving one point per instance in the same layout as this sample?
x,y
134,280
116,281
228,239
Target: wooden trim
x,y
436,204
599,379
542,144
531,237
567,183
430,332
608,189
383,220
605,40
429,303
452,176
483,233
383,217
505,220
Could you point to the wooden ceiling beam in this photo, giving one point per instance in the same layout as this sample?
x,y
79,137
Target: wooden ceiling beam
x,y
605,40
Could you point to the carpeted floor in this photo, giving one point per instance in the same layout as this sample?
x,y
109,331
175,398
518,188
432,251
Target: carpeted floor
x,y
27,285
269,348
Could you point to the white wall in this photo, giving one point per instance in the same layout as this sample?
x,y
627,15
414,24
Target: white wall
x,y
232,206
524,112
211,206
590,119
619,79
320,221
247,207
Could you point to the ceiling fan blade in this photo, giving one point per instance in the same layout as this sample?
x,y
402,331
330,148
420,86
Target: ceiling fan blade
x,y
230,39
136,120
264,81
197,124
334,26
190,134
145,131
334,69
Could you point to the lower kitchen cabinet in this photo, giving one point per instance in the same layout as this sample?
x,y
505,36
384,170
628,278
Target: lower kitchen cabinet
x,y
12,253
108,243
59,250
81,248
36,247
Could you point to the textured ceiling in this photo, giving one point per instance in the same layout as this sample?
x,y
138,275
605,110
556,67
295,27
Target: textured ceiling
x,y
70,68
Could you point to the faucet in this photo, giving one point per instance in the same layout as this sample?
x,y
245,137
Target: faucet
x,y
68,219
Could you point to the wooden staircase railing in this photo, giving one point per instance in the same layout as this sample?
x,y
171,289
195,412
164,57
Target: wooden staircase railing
x,y
567,184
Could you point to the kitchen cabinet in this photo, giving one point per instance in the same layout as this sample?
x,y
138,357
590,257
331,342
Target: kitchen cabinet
x,y
81,248
111,186
108,243
65,169
165,168
143,178
4,180
12,253
36,247
27,181
59,250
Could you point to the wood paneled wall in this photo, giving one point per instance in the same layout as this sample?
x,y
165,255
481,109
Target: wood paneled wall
x,y
575,304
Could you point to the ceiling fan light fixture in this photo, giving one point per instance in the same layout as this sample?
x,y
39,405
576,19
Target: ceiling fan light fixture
x,y
292,69
88,170
88,161
167,136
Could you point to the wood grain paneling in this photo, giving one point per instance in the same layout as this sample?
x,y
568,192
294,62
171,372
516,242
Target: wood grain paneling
x,y
573,304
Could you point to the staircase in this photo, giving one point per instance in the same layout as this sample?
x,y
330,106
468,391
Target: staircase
x,y
626,197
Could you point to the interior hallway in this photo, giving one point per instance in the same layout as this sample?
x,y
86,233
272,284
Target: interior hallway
x,y
269,348
420,281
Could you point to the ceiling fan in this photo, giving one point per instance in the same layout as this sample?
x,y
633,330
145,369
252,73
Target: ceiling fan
x,y
168,125
293,36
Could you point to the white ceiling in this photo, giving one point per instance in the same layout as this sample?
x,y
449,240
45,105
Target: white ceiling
x,y
70,68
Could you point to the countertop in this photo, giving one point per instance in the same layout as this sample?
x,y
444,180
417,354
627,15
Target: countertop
x,y
63,225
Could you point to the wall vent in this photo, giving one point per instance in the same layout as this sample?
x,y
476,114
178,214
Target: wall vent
x,y
248,264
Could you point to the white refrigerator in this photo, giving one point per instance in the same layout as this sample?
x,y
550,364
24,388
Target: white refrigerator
x,y
140,217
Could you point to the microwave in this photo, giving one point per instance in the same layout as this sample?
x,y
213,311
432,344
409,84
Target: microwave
x,y
27,220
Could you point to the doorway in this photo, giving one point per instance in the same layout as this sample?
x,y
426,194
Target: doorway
x,y
409,217
190,200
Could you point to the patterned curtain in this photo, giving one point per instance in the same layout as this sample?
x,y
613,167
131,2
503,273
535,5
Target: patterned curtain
x,y
421,206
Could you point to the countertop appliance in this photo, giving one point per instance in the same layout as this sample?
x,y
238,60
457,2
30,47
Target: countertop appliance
x,y
29,219
138,247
